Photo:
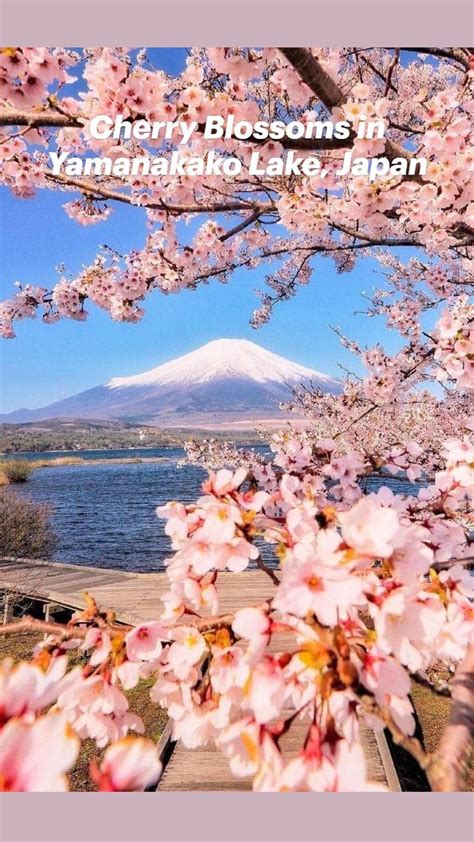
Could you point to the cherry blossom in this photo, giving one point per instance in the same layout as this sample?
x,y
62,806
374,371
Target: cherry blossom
x,y
144,642
25,766
337,218
28,688
129,765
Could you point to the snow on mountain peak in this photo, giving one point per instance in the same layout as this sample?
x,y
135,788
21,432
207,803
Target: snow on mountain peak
x,y
223,359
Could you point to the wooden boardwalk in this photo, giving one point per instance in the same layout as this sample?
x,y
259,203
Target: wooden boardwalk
x,y
136,597
207,769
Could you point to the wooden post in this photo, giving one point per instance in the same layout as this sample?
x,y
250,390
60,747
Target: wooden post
x,y
46,616
49,610
8,608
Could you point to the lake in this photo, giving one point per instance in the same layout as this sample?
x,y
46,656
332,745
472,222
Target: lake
x,y
104,515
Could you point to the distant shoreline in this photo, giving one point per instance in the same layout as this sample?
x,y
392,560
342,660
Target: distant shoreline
x,y
74,458
22,441
4,454
79,461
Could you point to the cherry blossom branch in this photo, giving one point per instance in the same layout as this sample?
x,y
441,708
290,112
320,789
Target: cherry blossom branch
x,y
374,406
375,241
410,744
311,72
60,120
454,54
67,631
95,189
29,624
40,119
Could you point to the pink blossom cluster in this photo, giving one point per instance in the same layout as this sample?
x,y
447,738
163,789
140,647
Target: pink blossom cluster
x,y
39,745
86,212
26,73
330,573
334,216
356,607
23,305
455,344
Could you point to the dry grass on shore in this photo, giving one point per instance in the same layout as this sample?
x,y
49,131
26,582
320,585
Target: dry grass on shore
x,y
15,470
59,460
25,527
20,470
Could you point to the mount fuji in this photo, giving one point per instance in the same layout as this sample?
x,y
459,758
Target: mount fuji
x,y
227,381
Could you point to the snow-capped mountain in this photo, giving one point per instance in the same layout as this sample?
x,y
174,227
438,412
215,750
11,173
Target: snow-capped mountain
x,y
227,380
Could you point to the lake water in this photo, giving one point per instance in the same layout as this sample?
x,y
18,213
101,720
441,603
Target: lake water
x,y
104,515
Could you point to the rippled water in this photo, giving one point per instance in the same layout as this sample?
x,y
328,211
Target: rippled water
x,y
104,515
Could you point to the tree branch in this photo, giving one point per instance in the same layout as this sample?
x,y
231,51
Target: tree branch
x,y
374,406
39,119
95,190
311,72
271,573
315,77
453,54
29,624
466,561
67,631
57,120
241,226
376,241
388,81
410,744
448,766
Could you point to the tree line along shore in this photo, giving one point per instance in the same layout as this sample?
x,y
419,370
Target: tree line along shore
x,y
66,435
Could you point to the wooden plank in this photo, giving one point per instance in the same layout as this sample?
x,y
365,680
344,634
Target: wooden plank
x,y
393,781
137,592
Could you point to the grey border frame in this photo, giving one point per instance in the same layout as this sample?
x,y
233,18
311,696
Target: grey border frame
x,y
211,23
234,817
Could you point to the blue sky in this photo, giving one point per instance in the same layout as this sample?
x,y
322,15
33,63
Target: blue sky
x,y
47,362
